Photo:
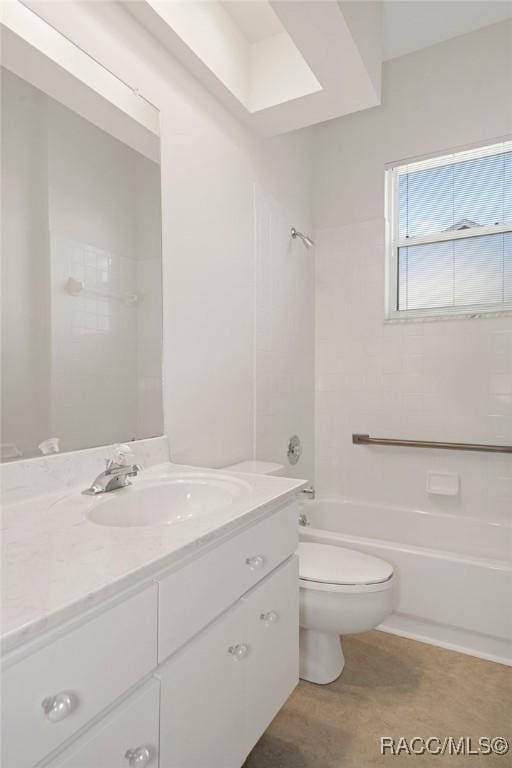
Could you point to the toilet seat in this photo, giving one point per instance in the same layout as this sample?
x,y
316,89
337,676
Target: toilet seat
x,y
328,568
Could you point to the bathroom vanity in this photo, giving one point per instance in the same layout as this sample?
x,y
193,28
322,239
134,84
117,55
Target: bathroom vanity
x,y
180,660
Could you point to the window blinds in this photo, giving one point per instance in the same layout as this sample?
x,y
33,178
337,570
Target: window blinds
x,y
452,231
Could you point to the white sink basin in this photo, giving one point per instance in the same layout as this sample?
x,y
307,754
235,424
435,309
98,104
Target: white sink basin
x,y
167,500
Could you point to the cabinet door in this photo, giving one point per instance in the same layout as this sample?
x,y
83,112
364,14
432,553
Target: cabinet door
x,y
273,666
127,736
202,695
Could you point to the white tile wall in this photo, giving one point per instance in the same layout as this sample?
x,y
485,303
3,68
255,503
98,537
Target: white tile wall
x,y
443,380
93,345
437,380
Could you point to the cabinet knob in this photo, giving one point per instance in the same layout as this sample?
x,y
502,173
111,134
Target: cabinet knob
x,y
270,617
58,707
255,562
239,651
138,757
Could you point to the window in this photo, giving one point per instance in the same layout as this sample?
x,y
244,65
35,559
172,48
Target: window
x,y
449,234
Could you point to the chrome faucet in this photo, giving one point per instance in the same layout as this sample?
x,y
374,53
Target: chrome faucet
x,y
308,493
303,519
116,473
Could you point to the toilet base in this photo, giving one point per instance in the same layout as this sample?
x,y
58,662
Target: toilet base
x,y
321,657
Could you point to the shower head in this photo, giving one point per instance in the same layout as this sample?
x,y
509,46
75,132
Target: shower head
x,y
308,242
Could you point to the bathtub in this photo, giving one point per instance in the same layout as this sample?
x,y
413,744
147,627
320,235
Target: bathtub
x,y
454,574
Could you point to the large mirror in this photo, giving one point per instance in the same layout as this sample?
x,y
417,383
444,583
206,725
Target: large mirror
x,y
81,307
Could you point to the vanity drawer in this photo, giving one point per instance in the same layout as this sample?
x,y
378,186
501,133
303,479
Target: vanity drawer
x,y
82,671
128,735
191,597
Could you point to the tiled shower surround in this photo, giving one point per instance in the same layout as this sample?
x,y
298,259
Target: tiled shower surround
x,y
437,380
440,380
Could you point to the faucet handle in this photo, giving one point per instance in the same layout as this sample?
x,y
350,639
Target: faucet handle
x,y
120,454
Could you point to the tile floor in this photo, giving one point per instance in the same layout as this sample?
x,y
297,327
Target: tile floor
x,y
395,687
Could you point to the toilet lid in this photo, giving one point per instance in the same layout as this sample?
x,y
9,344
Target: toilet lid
x,y
337,565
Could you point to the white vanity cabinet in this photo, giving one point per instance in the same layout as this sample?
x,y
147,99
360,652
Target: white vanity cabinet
x,y
222,689
49,694
185,670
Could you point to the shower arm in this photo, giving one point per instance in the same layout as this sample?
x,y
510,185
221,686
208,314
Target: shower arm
x,y
308,242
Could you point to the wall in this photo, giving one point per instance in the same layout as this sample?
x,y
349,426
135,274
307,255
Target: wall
x,y
210,165
446,380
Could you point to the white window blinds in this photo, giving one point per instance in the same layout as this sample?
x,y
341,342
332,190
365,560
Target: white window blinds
x,y
450,221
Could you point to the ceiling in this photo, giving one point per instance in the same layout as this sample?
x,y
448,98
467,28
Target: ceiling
x,y
407,25
414,24
280,65
277,65
255,18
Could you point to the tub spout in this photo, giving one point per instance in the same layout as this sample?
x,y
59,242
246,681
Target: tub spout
x,y
303,519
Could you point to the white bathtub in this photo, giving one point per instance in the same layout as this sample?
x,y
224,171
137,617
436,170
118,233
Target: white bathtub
x,y
454,582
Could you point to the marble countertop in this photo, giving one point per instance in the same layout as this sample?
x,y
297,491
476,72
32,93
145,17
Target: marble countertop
x,y
56,563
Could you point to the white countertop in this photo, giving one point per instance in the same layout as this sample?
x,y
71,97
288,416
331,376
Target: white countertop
x,y
56,563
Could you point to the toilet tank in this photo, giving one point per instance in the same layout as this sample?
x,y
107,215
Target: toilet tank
x,y
254,467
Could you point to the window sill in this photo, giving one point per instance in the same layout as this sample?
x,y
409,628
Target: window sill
x,y
420,317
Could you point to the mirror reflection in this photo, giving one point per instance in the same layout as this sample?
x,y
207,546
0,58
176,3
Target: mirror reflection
x,y
81,271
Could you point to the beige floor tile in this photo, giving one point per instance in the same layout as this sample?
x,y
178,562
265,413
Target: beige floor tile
x,y
394,687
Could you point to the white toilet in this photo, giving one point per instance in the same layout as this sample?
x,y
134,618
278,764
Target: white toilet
x,y
342,591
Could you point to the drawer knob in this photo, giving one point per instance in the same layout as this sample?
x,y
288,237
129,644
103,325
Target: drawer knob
x,y
238,651
138,757
57,708
255,562
270,617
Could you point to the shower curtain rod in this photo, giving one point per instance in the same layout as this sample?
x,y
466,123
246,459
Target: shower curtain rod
x,y
367,440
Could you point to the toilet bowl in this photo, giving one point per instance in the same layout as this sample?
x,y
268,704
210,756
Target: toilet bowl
x,y
342,591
